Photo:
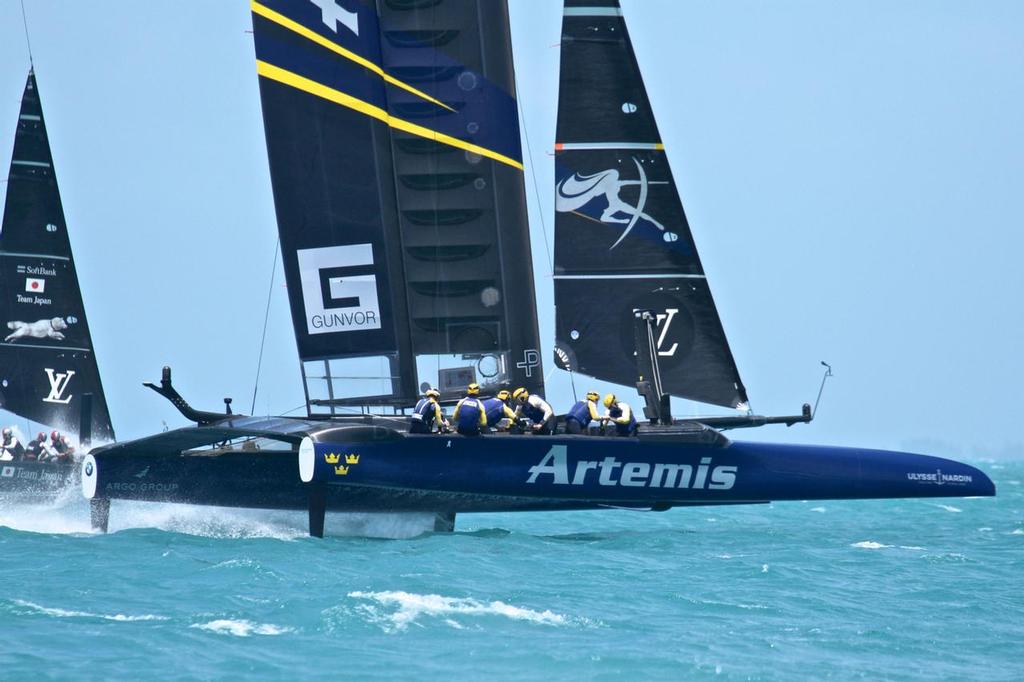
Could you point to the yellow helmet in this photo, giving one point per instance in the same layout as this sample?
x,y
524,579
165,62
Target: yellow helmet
x,y
609,400
520,394
473,389
433,393
503,396
592,395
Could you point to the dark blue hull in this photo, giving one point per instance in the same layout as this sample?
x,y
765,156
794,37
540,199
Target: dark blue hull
x,y
455,474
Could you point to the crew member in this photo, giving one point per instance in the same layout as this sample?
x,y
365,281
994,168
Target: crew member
x,y
59,446
497,408
536,409
68,450
582,414
37,449
427,417
469,416
10,448
620,414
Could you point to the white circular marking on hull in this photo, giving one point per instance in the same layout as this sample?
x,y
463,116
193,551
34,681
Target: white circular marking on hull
x,y
307,459
90,472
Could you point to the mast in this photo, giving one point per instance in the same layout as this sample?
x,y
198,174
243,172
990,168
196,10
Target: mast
x,y
622,241
393,141
47,362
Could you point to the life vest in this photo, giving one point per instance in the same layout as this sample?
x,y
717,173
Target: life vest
x,y
532,412
580,412
469,413
423,415
622,429
494,409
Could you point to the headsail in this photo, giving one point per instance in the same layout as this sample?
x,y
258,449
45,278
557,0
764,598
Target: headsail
x,y
622,241
393,140
46,355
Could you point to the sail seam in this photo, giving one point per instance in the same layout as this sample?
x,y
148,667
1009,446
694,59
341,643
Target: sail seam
x,y
592,12
301,30
563,146
645,275
298,82
15,254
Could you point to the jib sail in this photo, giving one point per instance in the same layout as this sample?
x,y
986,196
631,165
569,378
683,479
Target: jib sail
x,y
622,241
46,356
393,141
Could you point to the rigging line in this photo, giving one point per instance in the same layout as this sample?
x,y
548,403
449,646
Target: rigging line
x,y
24,21
266,319
533,175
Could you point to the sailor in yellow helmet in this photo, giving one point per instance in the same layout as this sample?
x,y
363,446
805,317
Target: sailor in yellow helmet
x,y
428,416
536,409
621,415
497,409
582,414
469,417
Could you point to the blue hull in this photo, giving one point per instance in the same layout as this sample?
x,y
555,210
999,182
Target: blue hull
x,y
455,474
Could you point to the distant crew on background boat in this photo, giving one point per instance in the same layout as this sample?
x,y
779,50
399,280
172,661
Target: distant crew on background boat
x,y
582,414
469,417
428,417
37,449
10,448
497,408
621,415
536,409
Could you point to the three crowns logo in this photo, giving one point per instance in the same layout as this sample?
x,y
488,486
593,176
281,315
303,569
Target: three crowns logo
x,y
335,459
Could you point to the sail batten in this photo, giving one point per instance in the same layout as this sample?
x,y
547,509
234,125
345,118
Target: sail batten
x,y
622,240
47,362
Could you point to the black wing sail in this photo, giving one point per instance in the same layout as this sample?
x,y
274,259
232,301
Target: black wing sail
x,y
622,241
393,143
46,356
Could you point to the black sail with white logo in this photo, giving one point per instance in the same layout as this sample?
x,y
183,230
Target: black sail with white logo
x,y
393,141
47,361
622,241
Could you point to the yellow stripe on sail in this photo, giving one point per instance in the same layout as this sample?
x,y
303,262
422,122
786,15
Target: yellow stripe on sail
x,y
298,82
298,28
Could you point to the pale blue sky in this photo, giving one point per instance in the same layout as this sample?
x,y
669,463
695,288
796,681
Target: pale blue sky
x,y
850,170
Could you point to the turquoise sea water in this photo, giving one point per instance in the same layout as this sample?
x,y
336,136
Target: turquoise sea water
x,y
904,589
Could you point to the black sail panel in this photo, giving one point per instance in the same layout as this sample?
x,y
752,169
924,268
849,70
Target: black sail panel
x,y
622,241
46,355
328,144
463,215
393,140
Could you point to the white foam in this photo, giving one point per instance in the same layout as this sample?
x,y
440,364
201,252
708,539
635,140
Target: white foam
x,y
820,510
408,607
949,508
764,568
64,613
912,547
240,628
869,544
1018,531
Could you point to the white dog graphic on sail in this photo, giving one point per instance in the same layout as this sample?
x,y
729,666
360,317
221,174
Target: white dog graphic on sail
x,y
40,329
576,191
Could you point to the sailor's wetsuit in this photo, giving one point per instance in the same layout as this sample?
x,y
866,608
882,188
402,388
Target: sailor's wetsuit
x,y
469,417
622,417
426,416
579,417
537,410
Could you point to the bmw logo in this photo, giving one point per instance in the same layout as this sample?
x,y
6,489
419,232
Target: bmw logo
x,y
88,468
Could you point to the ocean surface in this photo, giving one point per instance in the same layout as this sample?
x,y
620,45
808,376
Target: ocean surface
x,y
903,590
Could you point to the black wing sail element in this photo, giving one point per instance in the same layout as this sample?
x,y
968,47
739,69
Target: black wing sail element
x,y
393,142
46,356
622,241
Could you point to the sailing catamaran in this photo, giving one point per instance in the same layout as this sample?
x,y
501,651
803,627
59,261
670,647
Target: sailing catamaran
x,y
48,372
393,141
